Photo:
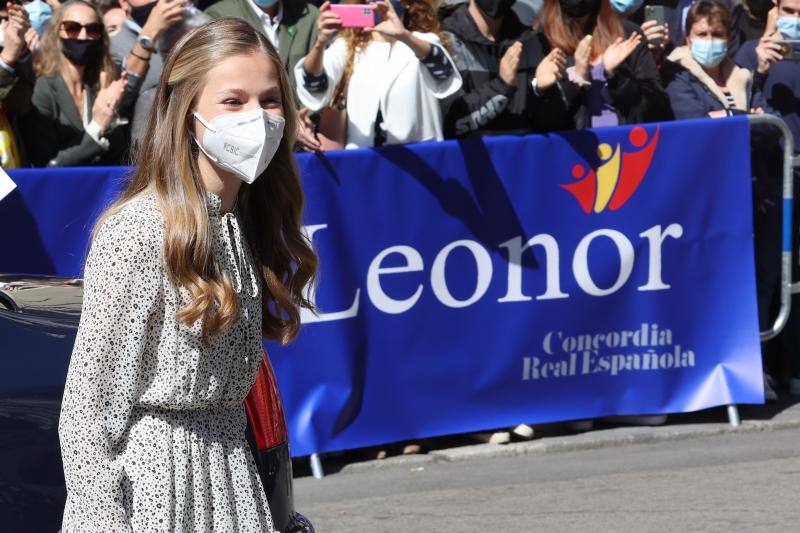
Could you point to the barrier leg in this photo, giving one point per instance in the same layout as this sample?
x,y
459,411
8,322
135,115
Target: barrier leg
x,y
733,416
316,466
789,163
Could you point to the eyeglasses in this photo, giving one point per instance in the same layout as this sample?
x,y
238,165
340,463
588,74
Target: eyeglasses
x,y
94,30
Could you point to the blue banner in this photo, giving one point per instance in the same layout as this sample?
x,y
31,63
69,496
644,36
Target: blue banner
x,y
476,284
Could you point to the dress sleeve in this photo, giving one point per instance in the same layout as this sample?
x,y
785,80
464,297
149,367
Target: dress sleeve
x,y
446,85
333,63
122,285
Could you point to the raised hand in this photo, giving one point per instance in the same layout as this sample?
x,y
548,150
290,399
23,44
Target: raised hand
x,y
619,51
550,69
655,33
32,40
164,14
14,30
509,63
108,99
767,53
306,138
583,58
390,25
328,23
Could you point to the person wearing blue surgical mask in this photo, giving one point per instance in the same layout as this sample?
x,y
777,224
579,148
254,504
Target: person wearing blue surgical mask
x,y
39,14
704,82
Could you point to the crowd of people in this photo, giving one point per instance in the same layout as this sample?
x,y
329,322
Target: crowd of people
x,y
78,78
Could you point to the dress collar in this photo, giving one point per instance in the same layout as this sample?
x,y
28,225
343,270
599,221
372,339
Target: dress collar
x,y
214,205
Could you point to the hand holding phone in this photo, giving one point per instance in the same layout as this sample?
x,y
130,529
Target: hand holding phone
x,y
789,49
355,15
769,52
655,26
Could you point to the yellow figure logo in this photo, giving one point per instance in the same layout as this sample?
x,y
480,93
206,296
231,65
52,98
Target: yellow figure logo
x,y
607,175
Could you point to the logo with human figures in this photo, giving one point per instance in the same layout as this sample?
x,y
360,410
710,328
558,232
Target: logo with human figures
x,y
617,176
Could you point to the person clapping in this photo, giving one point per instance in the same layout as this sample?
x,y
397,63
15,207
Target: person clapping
x,y
74,118
612,76
17,38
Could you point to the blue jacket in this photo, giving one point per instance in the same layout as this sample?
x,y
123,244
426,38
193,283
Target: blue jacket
x,y
694,94
781,86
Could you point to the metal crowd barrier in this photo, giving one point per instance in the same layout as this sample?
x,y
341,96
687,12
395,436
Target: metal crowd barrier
x,y
786,286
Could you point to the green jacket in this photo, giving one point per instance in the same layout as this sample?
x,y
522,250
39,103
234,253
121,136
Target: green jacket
x,y
297,33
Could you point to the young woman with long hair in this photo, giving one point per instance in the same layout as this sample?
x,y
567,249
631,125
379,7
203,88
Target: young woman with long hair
x,y
201,256
77,94
388,80
612,76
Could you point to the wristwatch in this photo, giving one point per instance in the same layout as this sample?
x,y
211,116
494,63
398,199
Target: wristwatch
x,y
146,43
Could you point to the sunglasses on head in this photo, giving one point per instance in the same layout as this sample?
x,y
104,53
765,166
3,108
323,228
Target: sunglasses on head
x,y
94,30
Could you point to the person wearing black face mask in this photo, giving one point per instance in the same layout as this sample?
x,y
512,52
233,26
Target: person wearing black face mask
x,y
748,22
612,77
498,59
74,117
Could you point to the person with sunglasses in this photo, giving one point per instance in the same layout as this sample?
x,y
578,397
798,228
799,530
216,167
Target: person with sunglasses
x,y
76,98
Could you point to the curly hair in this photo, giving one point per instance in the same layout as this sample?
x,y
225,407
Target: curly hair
x,y
420,16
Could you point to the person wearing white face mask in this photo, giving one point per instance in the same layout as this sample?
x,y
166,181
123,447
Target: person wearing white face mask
x,y
703,81
201,256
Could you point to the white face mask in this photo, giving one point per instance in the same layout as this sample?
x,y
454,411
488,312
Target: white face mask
x,y
243,143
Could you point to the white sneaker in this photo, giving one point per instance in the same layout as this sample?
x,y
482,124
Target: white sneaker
x,y
498,437
523,431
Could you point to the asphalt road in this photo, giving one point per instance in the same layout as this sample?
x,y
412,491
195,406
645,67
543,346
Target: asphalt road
x,y
747,482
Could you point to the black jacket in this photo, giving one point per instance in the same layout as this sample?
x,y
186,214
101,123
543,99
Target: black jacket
x,y
635,89
485,104
54,133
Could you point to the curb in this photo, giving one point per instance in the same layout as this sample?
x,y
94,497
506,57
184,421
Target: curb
x,y
592,440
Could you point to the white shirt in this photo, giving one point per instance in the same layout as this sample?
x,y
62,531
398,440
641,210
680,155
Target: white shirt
x,y
271,25
388,78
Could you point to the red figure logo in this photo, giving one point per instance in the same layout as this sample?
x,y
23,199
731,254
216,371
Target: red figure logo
x,y
618,175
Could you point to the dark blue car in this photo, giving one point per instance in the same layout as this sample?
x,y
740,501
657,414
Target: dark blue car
x,y
38,320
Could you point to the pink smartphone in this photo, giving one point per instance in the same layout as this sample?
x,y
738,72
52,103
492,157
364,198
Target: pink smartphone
x,y
355,15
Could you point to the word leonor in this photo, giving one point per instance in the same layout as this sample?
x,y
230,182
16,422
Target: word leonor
x,y
655,238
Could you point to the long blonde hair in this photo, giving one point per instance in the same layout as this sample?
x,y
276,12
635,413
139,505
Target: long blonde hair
x,y
50,60
270,207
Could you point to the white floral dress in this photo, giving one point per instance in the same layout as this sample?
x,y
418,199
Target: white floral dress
x,y
152,422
